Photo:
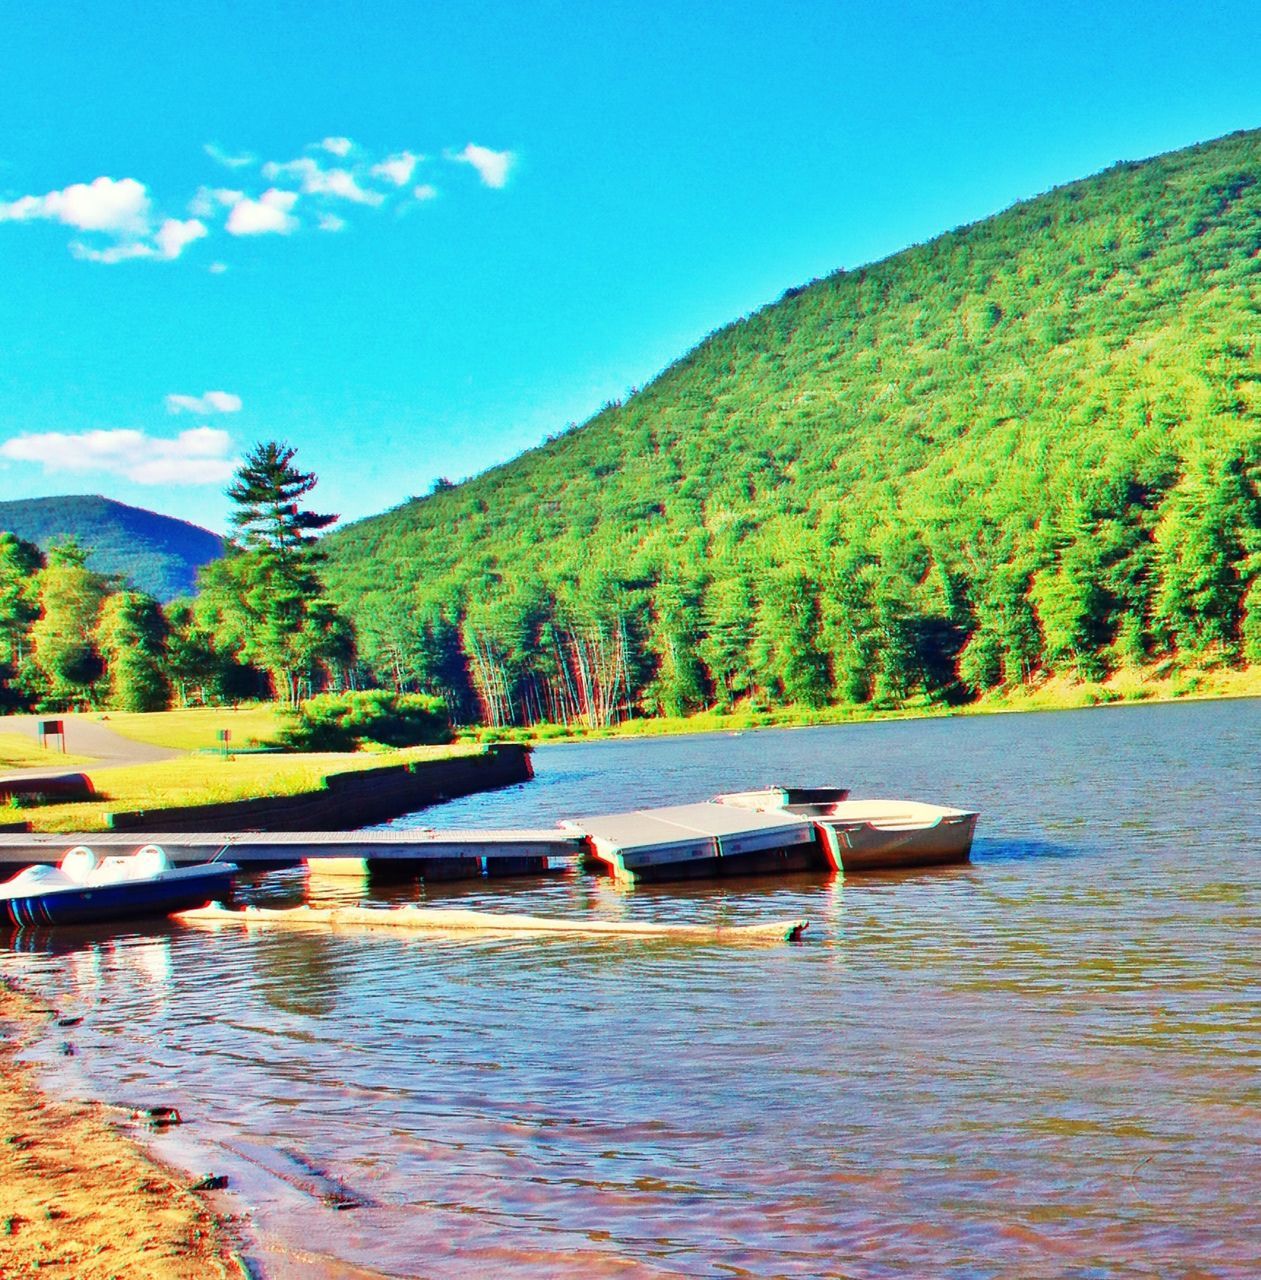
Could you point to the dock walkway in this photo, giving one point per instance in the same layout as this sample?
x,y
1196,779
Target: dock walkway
x,y
435,854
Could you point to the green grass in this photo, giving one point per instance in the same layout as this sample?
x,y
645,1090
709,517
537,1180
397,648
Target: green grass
x,y
196,728
171,784
20,752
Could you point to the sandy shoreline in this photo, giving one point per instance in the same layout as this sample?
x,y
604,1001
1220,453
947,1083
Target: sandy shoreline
x,y
80,1201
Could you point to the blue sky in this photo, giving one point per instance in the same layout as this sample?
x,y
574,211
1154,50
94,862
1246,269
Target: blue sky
x,y
599,187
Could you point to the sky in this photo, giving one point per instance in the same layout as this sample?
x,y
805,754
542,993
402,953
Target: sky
x,y
415,239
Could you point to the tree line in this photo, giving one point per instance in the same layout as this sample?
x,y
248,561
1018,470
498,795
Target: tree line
x,y
1029,447
260,624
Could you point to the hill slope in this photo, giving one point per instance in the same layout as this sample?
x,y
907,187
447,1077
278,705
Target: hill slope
x,y
1031,444
156,553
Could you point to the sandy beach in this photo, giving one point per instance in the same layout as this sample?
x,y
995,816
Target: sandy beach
x,y
79,1200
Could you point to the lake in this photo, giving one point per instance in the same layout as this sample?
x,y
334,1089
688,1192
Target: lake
x,y
1042,1065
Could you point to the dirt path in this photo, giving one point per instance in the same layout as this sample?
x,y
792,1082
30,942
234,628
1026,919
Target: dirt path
x,y
80,1202
85,737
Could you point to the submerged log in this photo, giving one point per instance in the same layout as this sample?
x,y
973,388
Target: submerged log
x,y
447,920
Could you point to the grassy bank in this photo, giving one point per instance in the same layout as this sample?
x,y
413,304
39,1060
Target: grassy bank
x,y
1154,684
20,752
196,780
197,728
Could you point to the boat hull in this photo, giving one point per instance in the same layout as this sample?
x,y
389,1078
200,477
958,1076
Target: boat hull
x,y
127,900
862,846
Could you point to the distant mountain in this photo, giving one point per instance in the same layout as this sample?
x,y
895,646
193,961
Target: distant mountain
x,y
1032,445
155,553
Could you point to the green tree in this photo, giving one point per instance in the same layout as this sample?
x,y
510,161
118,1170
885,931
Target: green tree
x,y
265,600
64,649
130,637
20,563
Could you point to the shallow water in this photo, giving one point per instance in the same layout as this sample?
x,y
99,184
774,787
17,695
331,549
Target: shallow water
x,y
1045,1064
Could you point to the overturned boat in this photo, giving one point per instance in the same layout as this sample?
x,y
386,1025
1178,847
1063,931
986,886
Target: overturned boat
x,y
86,889
773,830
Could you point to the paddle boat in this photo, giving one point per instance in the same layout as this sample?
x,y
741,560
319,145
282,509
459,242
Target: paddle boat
x,y
86,889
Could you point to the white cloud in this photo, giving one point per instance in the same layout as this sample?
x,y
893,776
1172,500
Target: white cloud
x,y
120,207
171,239
198,456
174,236
229,161
397,169
217,268
207,402
492,166
425,192
337,146
268,214
322,182
209,200
331,222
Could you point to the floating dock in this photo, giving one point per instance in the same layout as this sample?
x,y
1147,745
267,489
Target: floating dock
x,y
691,841
434,855
766,832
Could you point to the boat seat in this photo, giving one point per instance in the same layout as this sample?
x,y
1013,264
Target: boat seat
x,y
151,861
79,864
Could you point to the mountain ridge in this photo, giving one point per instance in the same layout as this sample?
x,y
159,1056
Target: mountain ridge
x,y
158,554
1028,445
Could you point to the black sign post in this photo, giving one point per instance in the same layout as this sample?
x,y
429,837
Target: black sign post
x,y
225,736
52,729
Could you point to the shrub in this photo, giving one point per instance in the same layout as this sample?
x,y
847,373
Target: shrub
x,y
345,721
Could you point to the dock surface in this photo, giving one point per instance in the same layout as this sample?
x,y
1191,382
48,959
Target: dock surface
x,y
271,848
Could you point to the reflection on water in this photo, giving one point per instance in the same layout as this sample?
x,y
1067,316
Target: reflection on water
x,y
1042,1065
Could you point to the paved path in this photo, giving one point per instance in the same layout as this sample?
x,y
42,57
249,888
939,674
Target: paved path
x,y
84,737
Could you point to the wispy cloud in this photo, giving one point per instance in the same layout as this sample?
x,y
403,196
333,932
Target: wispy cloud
x,y
241,160
207,402
167,243
269,214
211,200
315,181
397,169
492,167
198,456
117,219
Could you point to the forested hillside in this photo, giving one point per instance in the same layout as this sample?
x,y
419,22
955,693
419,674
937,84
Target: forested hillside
x,y
1032,445
153,553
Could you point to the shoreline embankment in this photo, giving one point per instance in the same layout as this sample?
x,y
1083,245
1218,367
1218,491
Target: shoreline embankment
x,y
79,1200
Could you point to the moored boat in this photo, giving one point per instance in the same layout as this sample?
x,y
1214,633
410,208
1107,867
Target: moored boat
x,y
85,889
874,835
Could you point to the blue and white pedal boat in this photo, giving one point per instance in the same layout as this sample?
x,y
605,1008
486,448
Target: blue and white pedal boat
x,y
85,889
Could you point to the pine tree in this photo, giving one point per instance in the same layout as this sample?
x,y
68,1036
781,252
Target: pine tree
x,y
265,600
266,490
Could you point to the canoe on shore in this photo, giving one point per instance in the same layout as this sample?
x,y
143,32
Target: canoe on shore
x,y
449,920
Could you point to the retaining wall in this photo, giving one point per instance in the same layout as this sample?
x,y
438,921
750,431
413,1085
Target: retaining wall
x,y
348,800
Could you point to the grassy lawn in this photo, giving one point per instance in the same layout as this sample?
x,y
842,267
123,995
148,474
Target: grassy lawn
x,y
195,728
209,780
17,751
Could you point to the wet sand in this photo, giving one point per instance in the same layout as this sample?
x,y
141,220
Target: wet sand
x,y
78,1200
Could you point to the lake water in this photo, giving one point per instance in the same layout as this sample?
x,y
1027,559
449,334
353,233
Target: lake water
x,y
1043,1065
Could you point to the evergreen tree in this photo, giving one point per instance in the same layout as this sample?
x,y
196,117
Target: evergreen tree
x,y
265,600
